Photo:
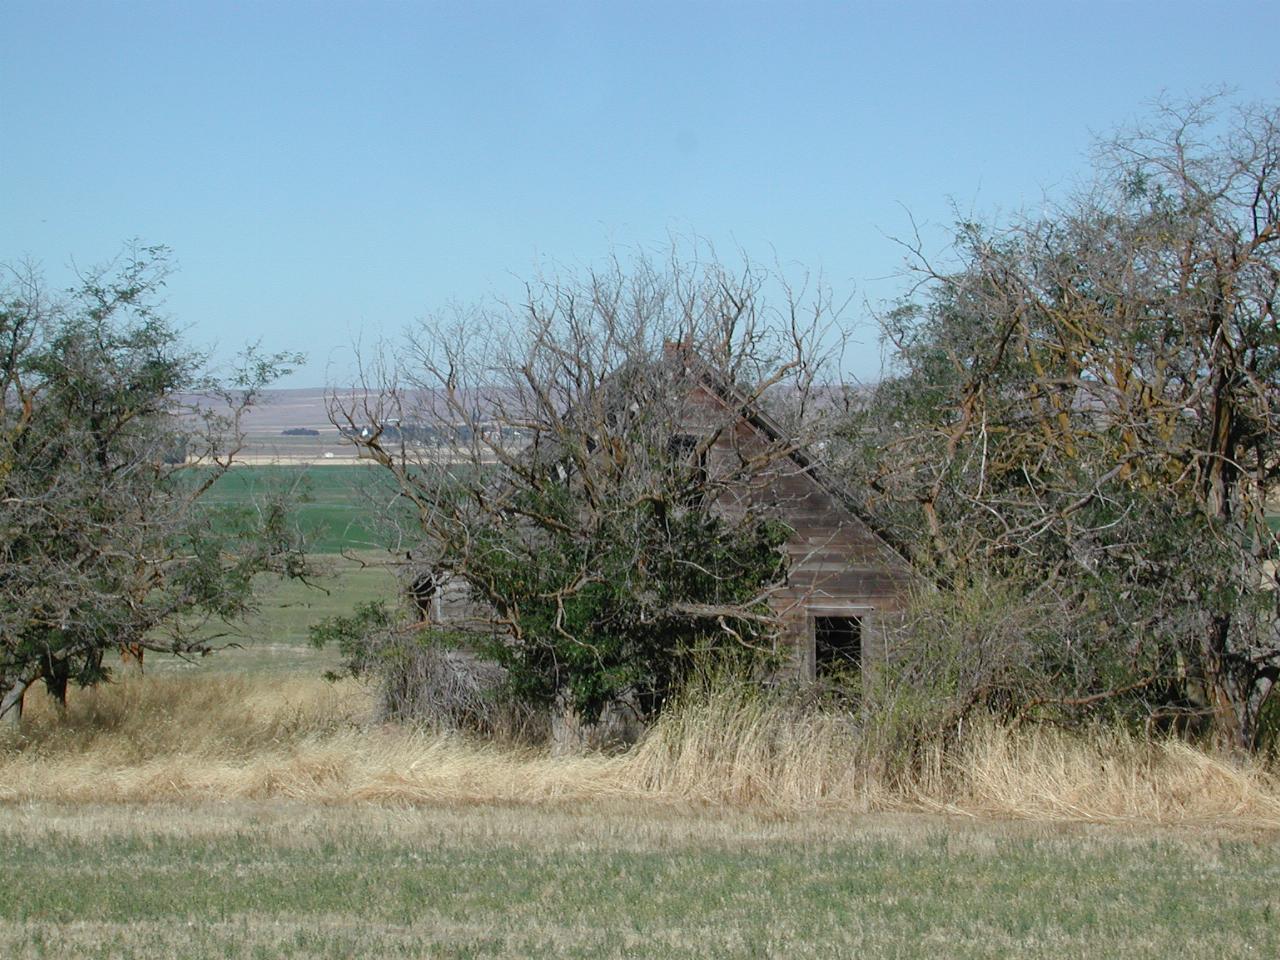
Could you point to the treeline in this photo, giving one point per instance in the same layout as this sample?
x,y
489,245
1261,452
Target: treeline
x,y
429,434
1074,443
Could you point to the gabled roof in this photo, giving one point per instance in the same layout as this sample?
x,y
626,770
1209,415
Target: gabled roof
x,y
750,411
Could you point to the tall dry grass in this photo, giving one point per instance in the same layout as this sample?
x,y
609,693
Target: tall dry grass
x,y
230,738
735,746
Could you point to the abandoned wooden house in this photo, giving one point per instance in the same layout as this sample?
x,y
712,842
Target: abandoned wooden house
x,y
845,580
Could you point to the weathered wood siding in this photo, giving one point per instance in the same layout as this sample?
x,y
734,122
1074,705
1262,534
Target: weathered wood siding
x,y
838,565
455,606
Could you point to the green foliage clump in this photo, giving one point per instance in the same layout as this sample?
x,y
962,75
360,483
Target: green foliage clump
x,y
425,675
665,587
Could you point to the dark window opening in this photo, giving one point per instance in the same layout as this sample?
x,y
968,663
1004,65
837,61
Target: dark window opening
x,y
837,645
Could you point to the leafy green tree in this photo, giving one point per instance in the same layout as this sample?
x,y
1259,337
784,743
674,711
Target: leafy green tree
x,y
109,437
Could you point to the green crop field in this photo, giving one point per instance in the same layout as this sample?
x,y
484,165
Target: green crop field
x,y
275,640
339,507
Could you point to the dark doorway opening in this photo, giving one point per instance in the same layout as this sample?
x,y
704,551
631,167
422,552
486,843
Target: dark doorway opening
x,y
837,645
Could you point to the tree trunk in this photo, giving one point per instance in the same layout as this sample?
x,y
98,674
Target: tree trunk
x,y
1229,681
11,697
1231,691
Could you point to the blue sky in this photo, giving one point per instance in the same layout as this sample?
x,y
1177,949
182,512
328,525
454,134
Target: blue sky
x,y
325,170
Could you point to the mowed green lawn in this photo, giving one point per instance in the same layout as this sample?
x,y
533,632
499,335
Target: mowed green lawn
x,y
295,881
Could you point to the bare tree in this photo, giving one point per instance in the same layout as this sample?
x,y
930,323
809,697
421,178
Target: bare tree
x,y
580,463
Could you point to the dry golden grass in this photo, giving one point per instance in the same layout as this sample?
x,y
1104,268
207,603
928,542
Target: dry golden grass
x,y
229,738
246,738
751,750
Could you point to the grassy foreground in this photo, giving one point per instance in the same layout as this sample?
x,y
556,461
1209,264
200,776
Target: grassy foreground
x,y
293,880
200,737
217,815
243,807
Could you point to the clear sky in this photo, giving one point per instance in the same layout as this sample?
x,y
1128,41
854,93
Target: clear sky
x,y
323,169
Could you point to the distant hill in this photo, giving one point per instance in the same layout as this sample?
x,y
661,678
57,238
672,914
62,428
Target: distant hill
x,y
282,409
307,408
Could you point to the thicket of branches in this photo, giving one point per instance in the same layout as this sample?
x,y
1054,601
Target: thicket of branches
x,y
109,437
593,494
1083,425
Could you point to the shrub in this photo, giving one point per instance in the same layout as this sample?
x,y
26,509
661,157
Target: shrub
x,y
427,676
